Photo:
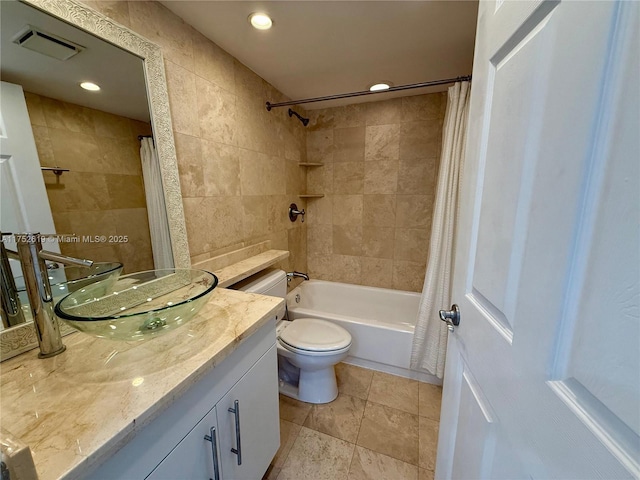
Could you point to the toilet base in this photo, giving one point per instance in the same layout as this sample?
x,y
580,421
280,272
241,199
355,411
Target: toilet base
x,y
318,386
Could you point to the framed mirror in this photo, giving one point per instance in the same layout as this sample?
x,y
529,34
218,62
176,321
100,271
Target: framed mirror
x,y
105,174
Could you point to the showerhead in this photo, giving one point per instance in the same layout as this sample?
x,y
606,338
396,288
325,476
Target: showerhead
x,y
305,121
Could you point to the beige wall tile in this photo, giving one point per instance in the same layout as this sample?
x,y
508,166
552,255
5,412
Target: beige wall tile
x,y
381,177
320,146
110,125
347,239
75,191
347,209
423,107
216,112
254,219
261,174
212,63
376,272
320,239
67,116
78,152
382,142
348,177
413,211
379,211
247,83
418,176
351,116
189,154
319,265
320,179
346,269
220,168
412,244
181,85
420,139
125,191
378,242
384,113
34,107
119,156
43,146
348,144
320,211
155,22
322,119
408,275
115,9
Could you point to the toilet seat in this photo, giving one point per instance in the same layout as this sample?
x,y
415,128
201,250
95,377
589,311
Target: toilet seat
x,y
311,336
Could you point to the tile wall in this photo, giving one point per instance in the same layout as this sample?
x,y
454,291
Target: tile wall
x,y
103,193
379,179
238,163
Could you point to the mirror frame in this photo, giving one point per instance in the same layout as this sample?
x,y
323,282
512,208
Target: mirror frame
x,y
21,338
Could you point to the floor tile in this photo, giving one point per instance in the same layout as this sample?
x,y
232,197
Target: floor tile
x,y
316,456
340,418
288,434
354,381
428,443
395,392
429,400
390,431
369,465
271,473
293,410
425,474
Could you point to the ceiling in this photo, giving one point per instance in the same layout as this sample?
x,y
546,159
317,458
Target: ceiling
x,y
318,48
119,73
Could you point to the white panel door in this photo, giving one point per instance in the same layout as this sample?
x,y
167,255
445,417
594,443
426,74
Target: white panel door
x,y
543,373
24,205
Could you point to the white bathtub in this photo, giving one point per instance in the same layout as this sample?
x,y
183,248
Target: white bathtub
x,y
381,321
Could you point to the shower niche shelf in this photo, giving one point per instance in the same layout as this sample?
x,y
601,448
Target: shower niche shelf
x,y
312,195
311,164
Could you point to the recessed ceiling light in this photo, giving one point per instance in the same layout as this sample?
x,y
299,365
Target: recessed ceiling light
x,y
261,21
376,87
90,86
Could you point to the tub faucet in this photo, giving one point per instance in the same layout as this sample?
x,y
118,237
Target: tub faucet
x,y
292,275
36,280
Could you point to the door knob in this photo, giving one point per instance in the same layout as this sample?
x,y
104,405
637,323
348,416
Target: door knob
x,y
451,317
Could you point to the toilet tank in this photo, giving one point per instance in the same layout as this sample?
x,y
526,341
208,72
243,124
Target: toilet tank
x,y
268,282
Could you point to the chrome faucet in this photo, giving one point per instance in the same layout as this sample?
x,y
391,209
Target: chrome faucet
x,y
36,280
292,275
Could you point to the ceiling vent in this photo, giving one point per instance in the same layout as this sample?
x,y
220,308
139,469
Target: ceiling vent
x,y
46,43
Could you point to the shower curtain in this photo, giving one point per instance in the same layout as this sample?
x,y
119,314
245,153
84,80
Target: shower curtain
x,y
430,338
158,224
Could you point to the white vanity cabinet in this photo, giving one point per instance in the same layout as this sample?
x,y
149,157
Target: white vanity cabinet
x,y
174,446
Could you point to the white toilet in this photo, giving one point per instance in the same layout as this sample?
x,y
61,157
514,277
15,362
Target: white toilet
x,y
308,348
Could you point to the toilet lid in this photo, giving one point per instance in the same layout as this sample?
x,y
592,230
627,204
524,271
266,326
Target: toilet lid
x,y
315,335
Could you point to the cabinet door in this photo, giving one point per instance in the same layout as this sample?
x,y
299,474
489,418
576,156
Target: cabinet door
x,y
255,399
194,457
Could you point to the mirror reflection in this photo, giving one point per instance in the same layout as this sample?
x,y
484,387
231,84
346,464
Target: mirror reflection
x,y
76,160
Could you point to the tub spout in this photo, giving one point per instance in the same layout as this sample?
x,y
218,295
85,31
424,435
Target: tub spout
x,y
292,275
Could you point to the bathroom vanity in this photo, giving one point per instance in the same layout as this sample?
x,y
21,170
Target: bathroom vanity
x,y
198,402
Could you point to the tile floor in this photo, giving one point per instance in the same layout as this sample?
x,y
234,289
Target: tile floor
x,y
380,427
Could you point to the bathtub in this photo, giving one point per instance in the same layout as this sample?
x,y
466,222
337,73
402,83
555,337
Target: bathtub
x,y
381,321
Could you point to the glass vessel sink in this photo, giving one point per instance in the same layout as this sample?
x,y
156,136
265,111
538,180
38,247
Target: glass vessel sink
x,y
71,278
138,306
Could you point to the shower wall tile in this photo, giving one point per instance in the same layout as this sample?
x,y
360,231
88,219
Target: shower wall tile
x,y
181,85
234,156
348,144
379,179
103,193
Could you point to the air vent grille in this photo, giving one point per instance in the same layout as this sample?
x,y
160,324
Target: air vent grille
x,y
46,43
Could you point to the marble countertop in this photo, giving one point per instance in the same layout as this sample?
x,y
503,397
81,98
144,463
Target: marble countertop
x,y
76,409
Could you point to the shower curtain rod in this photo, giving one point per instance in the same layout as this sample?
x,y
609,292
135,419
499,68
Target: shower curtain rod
x,y
368,92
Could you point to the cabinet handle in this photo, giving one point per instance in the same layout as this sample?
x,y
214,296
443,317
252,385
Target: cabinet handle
x,y
236,413
214,452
